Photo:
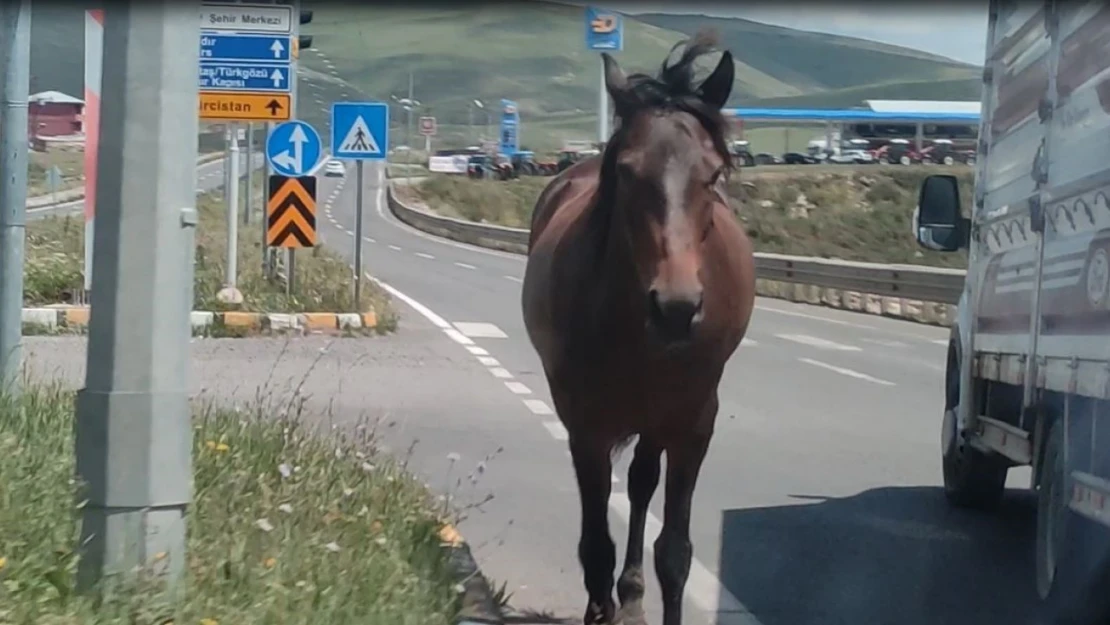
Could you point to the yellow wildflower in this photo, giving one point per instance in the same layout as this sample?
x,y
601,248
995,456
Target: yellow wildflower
x,y
3,562
222,447
269,562
209,621
210,444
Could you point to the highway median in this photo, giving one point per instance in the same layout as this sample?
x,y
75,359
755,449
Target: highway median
x,y
287,525
838,239
321,301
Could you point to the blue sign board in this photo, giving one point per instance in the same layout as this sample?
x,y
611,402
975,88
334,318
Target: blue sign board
x,y
604,30
293,148
360,130
510,128
231,76
239,47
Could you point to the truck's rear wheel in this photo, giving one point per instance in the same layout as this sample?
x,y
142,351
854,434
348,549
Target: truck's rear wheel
x,y
972,478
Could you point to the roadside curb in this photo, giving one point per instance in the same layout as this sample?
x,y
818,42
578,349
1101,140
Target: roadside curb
x,y
515,240
237,324
477,603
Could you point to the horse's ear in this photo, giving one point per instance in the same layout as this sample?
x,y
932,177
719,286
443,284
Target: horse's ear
x,y
716,89
616,82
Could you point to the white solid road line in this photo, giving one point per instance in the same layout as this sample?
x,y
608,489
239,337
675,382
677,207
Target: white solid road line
x,y
845,371
480,330
703,589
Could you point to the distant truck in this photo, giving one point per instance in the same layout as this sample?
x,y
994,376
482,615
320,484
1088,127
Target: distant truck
x,y
1028,368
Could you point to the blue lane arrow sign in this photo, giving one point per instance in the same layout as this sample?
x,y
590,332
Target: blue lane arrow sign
x,y
237,47
293,148
244,77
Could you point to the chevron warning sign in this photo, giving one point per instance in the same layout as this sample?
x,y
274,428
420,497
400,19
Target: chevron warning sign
x,y
291,212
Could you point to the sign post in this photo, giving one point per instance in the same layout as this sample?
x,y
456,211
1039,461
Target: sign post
x,y
428,129
509,142
604,32
360,132
292,150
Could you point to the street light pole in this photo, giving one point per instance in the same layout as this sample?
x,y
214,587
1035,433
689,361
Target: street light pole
x,y
15,71
133,431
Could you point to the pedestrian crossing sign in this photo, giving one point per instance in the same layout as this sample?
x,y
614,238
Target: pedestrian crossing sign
x,y
360,130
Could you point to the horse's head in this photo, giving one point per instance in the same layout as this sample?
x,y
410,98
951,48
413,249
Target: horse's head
x,y
664,169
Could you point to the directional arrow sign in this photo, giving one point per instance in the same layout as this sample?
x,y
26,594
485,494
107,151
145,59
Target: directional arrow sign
x,y
291,212
227,47
236,76
293,148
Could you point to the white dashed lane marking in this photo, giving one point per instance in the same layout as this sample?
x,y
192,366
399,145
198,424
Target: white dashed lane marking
x,y
814,341
423,255
458,337
489,361
557,431
477,351
394,248
846,371
538,406
500,372
465,266
515,279
479,330
518,388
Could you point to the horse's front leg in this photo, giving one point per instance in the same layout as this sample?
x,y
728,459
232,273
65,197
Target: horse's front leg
x,y
596,551
643,478
673,549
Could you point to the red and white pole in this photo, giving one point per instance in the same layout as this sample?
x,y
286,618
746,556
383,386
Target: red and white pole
x,y
94,59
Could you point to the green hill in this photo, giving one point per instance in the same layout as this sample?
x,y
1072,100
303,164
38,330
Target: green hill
x,y
533,52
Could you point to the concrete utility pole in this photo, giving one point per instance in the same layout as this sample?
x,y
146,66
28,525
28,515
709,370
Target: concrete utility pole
x,y
134,437
15,68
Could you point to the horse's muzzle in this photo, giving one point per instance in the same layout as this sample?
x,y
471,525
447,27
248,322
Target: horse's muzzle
x,y
674,317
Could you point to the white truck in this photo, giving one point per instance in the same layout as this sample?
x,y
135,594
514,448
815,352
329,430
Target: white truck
x,y
1028,367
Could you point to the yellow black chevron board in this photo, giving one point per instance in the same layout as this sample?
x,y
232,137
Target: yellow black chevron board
x,y
291,212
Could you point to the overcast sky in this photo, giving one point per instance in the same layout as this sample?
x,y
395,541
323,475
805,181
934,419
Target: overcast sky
x,y
956,30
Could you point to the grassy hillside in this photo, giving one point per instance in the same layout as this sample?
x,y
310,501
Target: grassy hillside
x,y
532,52
812,62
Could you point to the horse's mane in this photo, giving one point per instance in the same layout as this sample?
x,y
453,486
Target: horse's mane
x,y
675,88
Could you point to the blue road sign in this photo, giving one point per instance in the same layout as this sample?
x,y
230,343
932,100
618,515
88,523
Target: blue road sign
x,y
245,77
223,47
293,148
604,30
360,130
509,141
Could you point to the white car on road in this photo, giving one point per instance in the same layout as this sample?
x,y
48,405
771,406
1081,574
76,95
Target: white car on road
x,y
335,168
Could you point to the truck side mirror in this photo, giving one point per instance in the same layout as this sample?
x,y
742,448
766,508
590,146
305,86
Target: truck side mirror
x,y
937,222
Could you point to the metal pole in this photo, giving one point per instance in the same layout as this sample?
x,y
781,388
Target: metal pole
x,y
15,67
232,208
602,106
358,236
408,115
267,252
133,431
290,270
250,175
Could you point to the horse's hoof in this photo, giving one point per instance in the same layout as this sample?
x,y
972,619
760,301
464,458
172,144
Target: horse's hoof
x,y
631,613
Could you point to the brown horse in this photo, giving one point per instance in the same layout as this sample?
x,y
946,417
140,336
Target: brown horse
x,y
638,289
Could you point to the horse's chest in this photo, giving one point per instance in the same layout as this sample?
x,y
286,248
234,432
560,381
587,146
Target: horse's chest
x,y
646,383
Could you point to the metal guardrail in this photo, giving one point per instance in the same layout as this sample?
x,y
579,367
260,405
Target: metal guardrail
x,y
927,284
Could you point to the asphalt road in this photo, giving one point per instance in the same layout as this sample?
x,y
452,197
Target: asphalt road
x,y
210,176
819,502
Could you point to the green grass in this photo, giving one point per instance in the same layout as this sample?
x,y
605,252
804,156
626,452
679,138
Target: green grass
x,y
323,282
286,527
860,214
